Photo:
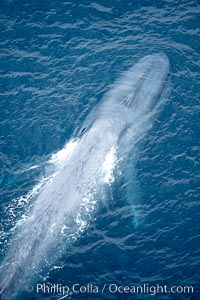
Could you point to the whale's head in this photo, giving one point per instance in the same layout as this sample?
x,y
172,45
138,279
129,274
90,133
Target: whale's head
x,y
146,82
134,95
136,92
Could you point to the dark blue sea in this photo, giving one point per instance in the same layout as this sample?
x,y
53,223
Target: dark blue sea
x,y
57,60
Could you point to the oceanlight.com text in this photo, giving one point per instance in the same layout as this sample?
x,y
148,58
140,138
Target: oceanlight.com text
x,y
107,288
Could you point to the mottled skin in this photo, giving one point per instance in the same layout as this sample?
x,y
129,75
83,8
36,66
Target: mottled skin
x,y
119,121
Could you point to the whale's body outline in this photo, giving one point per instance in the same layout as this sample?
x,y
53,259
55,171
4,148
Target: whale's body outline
x,y
120,119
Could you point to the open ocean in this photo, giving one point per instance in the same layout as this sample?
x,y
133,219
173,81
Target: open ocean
x,y
57,60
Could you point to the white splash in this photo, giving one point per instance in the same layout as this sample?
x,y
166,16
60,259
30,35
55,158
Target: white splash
x,y
61,157
57,160
108,166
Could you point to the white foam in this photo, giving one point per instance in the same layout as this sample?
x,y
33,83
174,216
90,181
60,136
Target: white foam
x,y
109,165
59,158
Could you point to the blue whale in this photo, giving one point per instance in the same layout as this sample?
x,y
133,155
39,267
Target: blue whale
x,y
123,116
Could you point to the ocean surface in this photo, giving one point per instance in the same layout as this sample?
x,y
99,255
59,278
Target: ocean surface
x,y
57,60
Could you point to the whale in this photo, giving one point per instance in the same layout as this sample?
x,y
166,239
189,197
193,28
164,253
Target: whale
x,y
123,116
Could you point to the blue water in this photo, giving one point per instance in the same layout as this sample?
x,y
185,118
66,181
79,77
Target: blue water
x,y
57,59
